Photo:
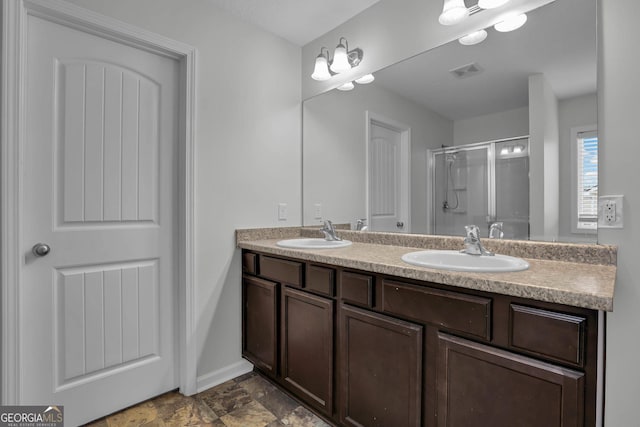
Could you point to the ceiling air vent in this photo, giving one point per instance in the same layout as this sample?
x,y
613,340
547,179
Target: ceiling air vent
x,y
467,70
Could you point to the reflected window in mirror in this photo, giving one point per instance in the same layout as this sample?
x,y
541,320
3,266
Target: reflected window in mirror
x,y
585,194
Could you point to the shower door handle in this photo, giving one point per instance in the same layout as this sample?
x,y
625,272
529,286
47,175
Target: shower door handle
x,y
400,224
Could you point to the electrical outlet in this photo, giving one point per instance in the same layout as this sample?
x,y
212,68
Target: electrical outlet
x,y
282,211
317,211
610,211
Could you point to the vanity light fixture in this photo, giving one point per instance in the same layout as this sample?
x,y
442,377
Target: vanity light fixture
x,y
321,69
511,23
340,62
473,38
343,60
453,11
491,4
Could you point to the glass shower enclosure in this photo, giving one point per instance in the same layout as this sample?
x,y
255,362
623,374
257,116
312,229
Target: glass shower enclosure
x,y
481,184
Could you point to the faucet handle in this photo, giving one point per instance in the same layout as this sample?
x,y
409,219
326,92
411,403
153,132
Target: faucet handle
x,y
473,232
329,231
496,230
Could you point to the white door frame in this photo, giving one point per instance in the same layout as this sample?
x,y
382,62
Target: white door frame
x,y
405,160
14,45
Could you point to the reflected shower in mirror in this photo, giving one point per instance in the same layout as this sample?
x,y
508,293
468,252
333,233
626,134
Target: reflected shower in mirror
x,y
400,150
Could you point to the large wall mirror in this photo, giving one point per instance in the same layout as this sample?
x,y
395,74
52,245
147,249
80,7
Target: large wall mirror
x,y
504,131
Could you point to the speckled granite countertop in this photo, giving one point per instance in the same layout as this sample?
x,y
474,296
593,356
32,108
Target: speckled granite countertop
x,y
581,284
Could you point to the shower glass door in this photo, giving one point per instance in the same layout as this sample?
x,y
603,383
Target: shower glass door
x,y
462,188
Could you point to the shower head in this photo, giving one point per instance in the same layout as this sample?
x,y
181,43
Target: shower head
x,y
451,157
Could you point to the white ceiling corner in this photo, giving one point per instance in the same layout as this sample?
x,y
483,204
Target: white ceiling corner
x,y
298,21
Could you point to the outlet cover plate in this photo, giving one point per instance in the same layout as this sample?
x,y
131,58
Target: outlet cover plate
x,y
610,211
282,212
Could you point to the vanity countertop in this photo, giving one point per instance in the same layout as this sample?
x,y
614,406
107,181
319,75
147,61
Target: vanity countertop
x,y
571,283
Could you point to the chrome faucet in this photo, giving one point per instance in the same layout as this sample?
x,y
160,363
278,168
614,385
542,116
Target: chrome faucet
x,y
329,231
361,224
472,244
496,230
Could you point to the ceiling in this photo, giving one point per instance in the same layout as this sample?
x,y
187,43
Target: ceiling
x,y
298,21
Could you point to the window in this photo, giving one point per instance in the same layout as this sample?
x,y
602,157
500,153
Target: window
x,y
587,180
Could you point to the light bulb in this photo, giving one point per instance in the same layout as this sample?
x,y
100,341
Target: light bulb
x,y
491,4
321,70
347,86
517,149
473,38
367,78
511,23
504,151
453,11
340,62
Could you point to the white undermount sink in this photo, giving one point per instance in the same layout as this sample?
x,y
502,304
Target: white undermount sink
x,y
313,243
458,261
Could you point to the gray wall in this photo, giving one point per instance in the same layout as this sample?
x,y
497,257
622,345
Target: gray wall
x,y
334,151
618,115
247,149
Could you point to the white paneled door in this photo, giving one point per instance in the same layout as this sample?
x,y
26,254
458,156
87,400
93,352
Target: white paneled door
x,y
388,176
98,311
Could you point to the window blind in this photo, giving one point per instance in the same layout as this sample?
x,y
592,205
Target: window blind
x,y
587,181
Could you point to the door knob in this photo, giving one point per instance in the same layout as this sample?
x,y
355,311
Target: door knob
x,y
41,249
399,224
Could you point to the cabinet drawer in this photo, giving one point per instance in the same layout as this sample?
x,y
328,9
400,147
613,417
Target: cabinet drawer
x,y
460,312
249,263
356,288
281,270
554,335
321,280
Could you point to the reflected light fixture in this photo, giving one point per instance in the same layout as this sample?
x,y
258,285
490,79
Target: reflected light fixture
x,y
453,11
511,23
473,38
343,60
347,86
367,78
491,4
511,150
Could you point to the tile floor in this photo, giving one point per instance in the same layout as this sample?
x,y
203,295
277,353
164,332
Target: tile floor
x,y
246,401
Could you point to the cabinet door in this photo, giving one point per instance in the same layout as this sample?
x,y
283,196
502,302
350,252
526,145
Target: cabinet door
x,y
259,323
380,370
482,386
307,347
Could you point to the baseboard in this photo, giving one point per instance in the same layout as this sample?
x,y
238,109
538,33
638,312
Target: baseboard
x,y
219,376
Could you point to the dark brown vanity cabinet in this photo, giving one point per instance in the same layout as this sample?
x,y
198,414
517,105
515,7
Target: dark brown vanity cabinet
x,y
260,323
380,370
479,385
307,347
367,349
